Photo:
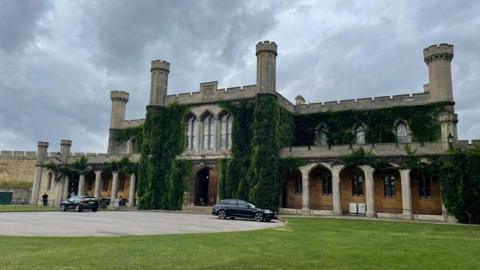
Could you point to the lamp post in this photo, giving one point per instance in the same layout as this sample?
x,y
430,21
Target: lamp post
x,y
450,141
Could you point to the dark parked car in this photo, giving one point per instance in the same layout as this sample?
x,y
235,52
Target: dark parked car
x,y
238,208
80,203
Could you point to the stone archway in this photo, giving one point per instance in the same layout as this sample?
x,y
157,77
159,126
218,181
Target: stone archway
x,y
388,191
205,187
320,188
292,191
426,197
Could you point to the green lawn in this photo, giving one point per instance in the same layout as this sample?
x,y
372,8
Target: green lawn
x,y
305,243
26,208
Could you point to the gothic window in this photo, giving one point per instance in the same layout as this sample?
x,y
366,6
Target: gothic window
x,y
49,182
424,184
327,185
389,186
360,135
401,132
322,136
191,133
357,185
226,131
208,132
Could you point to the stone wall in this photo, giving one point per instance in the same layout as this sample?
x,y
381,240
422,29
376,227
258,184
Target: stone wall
x,y
19,195
17,166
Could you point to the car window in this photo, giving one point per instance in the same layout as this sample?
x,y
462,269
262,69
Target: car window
x,y
243,204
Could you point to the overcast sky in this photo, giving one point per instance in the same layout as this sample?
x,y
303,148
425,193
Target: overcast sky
x,y
60,59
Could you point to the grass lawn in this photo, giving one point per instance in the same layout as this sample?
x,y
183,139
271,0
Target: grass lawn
x,y
305,243
25,208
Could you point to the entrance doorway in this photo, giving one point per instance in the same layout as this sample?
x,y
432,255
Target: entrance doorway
x,y
206,187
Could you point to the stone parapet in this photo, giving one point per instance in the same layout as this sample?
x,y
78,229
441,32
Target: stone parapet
x,y
23,154
380,149
160,64
228,94
131,123
442,51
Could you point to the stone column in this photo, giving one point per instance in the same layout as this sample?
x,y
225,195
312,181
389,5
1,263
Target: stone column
x,y
66,188
336,195
42,155
406,193
131,193
305,189
114,189
98,180
59,188
369,190
81,185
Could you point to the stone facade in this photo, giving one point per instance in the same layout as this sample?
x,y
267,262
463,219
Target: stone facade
x,y
322,186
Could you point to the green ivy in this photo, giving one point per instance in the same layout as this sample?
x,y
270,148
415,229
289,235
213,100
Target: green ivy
x,y
163,140
422,121
123,135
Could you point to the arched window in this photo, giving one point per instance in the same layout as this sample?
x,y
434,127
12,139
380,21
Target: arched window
x,y
49,182
191,133
322,136
389,185
360,135
401,132
208,132
327,185
226,131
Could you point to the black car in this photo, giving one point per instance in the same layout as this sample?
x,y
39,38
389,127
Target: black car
x,y
80,203
238,208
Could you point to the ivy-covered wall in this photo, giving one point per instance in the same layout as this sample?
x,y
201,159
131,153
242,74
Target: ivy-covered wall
x,y
380,123
161,177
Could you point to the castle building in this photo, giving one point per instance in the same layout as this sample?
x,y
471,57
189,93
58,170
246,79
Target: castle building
x,y
323,184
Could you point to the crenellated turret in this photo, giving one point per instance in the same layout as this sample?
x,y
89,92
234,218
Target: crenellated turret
x,y
438,58
266,52
159,82
119,104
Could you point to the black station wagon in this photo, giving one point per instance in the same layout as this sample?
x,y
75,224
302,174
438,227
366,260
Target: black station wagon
x,y
80,203
238,208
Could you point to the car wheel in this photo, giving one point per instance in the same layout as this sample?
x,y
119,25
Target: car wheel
x,y
258,217
222,214
63,208
94,210
78,209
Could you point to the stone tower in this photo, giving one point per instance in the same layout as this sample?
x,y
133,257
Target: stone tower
x,y
119,103
266,52
438,59
42,154
159,83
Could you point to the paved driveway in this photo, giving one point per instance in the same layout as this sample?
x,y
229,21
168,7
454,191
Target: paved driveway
x,y
115,223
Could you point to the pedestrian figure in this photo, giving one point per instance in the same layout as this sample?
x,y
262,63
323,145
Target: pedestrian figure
x,y
45,199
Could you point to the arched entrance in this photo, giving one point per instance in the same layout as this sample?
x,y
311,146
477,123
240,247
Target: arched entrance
x,y
292,190
320,182
205,187
425,190
388,191
352,190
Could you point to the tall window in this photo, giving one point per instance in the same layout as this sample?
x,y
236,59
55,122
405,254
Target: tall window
x,y
389,186
298,183
401,131
226,131
208,132
360,135
322,136
191,133
327,185
49,182
357,185
425,183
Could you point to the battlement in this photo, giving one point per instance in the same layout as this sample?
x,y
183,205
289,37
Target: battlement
x,y
131,123
266,46
66,142
441,51
26,154
365,103
160,65
212,95
121,96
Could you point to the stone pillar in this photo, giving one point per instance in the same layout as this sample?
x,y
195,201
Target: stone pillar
x,y
159,82
65,146
266,52
305,189
98,180
336,194
81,185
113,197
119,104
59,189
42,154
369,190
406,193
66,188
448,124
131,193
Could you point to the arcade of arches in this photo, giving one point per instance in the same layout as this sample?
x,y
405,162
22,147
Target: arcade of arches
x,y
319,188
